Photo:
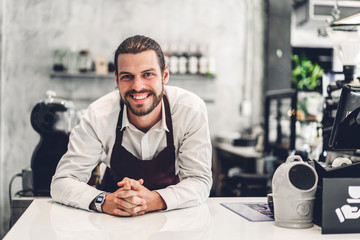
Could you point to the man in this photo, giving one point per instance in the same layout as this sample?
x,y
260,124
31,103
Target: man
x,y
154,140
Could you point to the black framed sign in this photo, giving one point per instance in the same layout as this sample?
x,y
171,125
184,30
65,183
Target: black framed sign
x,y
341,205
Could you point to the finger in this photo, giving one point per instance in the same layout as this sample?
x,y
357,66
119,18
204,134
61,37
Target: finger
x,y
127,196
120,212
123,193
128,180
142,212
130,196
136,210
122,182
135,200
124,204
139,213
127,185
136,184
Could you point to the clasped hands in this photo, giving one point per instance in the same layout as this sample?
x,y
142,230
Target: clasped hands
x,y
132,199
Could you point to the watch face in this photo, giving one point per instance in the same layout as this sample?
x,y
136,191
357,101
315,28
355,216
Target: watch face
x,y
99,199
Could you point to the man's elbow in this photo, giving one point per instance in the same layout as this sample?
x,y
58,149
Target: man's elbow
x,y
206,185
54,189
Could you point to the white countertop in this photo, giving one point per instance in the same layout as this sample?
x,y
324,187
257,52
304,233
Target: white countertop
x,y
46,219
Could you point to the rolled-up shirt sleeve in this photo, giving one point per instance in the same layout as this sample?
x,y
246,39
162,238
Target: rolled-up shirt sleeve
x,y
194,160
69,184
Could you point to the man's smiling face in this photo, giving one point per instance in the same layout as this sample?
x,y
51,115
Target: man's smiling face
x,y
140,81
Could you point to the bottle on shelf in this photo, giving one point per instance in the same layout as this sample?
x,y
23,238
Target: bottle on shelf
x,y
203,65
183,59
174,59
203,59
73,63
211,67
60,60
166,52
84,61
193,62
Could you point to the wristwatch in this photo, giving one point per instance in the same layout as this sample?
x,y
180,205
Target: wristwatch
x,y
99,201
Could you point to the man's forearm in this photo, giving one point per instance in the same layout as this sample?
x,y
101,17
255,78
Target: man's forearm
x,y
155,202
72,192
187,193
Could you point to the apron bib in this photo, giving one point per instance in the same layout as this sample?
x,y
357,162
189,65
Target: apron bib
x,y
157,173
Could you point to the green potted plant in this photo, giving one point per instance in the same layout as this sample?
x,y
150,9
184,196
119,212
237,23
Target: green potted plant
x,y
305,74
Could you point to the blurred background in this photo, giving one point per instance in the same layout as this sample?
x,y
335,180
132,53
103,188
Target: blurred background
x,y
229,52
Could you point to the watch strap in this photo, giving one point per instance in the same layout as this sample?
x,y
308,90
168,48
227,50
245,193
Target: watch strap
x,y
99,201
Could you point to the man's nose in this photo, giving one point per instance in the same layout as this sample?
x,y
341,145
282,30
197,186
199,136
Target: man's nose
x,y
138,83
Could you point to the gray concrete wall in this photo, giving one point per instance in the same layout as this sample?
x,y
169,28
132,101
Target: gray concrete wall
x,y
32,29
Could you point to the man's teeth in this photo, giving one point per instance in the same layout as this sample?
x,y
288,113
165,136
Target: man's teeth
x,y
140,97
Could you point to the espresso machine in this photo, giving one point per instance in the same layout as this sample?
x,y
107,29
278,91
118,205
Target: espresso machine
x,y
53,118
345,36
339,126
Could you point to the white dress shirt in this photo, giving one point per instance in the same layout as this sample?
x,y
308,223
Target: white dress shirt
x,y
93,140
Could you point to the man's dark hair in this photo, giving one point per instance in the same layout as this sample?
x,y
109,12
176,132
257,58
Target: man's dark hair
x,y
137,44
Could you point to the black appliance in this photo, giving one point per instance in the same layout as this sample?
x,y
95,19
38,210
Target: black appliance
x,y
343,139
53,119
346,128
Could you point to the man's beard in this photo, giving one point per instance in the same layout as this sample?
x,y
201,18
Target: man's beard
x,y
139,111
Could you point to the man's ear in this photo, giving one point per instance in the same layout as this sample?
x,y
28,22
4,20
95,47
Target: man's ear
x,y
116,78
166,75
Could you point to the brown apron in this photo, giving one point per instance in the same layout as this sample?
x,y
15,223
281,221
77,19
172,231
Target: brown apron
x,y
157,173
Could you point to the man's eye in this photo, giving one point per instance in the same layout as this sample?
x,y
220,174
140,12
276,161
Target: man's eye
x,y
148,74
125,77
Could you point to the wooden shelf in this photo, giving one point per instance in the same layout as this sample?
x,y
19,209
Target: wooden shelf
x,y
176,77
181,77
81,75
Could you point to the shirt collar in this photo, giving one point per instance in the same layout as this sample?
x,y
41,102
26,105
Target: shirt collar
x,y
162,125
